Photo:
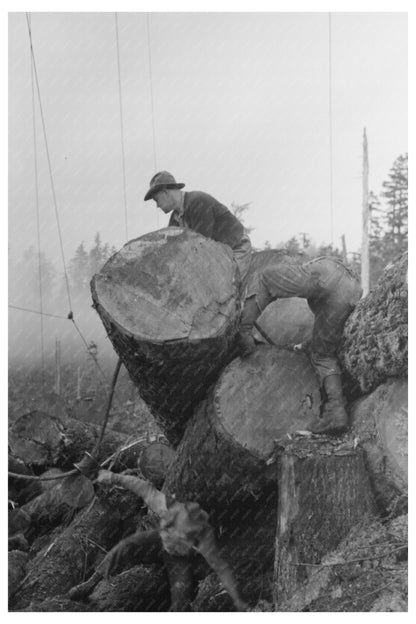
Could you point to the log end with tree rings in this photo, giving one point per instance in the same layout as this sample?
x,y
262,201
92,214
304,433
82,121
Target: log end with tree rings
x,y
286,321
168,285
266,396
227,451
170,304
155,461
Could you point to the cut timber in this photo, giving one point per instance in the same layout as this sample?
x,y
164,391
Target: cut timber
x,y
169,303
375,339
379,421
324,491
286,322
42,440
224,453
155,462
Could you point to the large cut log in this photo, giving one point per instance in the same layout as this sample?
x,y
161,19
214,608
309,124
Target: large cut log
x,y
227,447
379,422
286,322
169,303
42,440
73,554
324,490
155,462
375,340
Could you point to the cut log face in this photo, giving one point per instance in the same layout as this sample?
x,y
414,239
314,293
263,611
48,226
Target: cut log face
x,y
44,440
169,302
379,421
264,397
286,321
155,462
168,285
224,453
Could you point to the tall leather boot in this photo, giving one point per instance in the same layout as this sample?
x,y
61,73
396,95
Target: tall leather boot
x,y
334,418
245,341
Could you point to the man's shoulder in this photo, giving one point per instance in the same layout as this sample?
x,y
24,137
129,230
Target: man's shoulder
x,y
199,196
199,199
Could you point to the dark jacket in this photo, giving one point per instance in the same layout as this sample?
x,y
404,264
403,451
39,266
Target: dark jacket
x,y
205,215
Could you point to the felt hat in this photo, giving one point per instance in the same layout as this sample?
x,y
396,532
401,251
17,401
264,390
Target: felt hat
x,y
161,180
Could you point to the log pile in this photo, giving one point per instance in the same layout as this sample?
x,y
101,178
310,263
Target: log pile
x,y
291,511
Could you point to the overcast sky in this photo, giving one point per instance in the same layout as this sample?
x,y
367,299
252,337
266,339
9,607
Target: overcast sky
x,y
241,110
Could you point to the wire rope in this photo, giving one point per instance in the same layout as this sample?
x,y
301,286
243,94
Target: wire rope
x,y
120,99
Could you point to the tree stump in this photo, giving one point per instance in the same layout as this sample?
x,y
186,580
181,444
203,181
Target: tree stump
x,y
379,422
324,490
169,303
375,339
225,452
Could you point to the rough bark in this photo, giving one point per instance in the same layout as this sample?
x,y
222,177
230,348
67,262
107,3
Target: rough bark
x,y
141,588
16,570
379,422
324,491
366,572
42,440
169,303
77,549
375,340
225,453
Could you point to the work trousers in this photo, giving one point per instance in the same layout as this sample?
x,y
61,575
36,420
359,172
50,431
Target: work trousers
x,y
331,290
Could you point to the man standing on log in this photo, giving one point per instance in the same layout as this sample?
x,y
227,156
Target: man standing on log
x,y
202,213
332,291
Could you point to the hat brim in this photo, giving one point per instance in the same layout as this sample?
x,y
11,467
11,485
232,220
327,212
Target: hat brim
x,y
158,187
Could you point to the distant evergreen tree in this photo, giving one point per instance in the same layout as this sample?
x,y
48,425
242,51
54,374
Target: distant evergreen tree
x,y
395,191
389,222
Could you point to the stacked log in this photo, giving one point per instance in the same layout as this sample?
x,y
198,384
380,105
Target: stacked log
x,y
226,453
375,340
169,302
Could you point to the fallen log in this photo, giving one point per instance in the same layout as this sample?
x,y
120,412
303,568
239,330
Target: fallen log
x,y
379,422
227,447
43,441
324,490
169,303
375,339
141,588
73,554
